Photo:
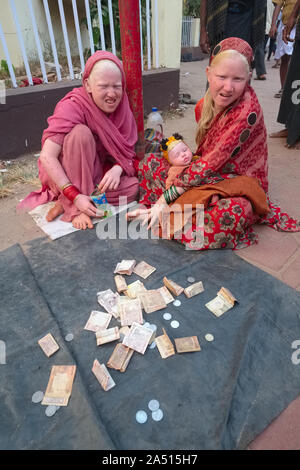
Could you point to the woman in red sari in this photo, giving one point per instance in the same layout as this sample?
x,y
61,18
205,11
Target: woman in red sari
x,y
232,143
89,142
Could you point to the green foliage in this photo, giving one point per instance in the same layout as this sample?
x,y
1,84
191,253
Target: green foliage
x,y
4,66
4,70
191,8
106,27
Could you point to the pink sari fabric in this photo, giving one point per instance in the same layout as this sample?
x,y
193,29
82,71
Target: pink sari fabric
x,y
85,171
113,141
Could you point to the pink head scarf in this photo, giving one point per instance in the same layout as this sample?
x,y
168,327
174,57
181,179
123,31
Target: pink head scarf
x,y
116,131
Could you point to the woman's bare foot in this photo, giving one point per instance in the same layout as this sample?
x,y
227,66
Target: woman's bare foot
x,y
282,133
82,221
54,212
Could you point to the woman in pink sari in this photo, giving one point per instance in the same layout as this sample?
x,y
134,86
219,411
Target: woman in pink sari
x,y
89,142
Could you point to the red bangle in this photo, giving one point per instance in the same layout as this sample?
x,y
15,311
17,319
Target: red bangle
x,y
71,192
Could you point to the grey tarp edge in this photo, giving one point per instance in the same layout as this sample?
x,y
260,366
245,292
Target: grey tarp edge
x,y
219,398
25,318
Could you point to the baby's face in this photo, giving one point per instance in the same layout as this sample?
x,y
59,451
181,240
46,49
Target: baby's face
x,y
180,155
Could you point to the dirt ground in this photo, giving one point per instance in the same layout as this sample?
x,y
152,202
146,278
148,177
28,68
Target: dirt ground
x,y
283,163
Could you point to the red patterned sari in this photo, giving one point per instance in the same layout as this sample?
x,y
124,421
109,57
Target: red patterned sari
x,y
235,145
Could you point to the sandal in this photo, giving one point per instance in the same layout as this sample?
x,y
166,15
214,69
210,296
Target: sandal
x,y
279,94
260,77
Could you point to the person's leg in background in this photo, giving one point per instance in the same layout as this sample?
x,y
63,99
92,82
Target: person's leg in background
x,y
259,61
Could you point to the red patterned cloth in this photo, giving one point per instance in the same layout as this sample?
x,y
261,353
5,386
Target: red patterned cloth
x,y
235,144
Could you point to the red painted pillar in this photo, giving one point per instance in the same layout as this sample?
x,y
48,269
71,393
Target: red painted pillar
x,y
131,57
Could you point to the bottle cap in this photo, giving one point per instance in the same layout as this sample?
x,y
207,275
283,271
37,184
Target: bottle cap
x,y
154,109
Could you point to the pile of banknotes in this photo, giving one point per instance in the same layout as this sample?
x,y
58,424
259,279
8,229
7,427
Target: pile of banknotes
x,y
126,308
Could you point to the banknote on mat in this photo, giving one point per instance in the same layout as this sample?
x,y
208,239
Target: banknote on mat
x,y
164,345
138,338
166,294
187,344
134,289
123,299
152,300
124,330
194,289
109,300
223,302
120,357
103,376
97,321
144,269
107,336
48,344
172,286
121,283
131,312
60,385
125,267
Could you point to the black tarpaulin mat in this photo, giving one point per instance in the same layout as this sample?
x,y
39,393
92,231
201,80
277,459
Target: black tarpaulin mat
x,y
219,398
25,318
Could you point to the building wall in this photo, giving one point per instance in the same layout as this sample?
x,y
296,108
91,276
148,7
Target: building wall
x,y
10,34
169,32
24,18
27,109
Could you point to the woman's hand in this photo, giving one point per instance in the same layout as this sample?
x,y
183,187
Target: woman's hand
x,y
85,204
150,216
155,212
111,179
288,28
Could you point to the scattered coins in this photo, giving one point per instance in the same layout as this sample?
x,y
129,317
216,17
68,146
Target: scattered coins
x,y
167,316
141,416
176,303
51,410
191,279
157,415
152,327
209,337
37,397
174,324
69,337
153,405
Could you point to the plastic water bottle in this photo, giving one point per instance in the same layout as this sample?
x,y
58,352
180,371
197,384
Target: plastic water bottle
x,y
155,121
